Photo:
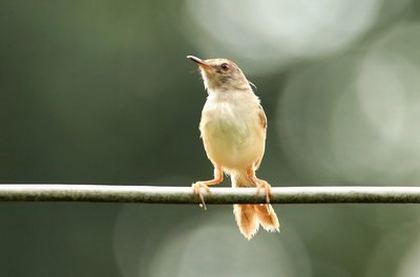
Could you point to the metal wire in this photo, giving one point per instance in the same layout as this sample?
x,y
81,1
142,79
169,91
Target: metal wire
x,y
217,195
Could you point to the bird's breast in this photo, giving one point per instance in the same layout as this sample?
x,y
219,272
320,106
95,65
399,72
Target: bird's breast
x,y
231,134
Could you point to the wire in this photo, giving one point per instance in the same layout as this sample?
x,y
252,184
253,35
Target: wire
x,y
220,195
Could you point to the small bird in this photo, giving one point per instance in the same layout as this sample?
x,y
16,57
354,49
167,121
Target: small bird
x,y
233,128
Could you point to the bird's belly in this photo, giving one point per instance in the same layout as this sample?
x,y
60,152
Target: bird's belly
x,y
233,143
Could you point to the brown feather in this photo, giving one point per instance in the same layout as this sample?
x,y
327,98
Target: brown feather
x,y
267,217
263,117
246,218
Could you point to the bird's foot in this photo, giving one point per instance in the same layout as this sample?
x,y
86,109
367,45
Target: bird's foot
x,y
200,188
264,185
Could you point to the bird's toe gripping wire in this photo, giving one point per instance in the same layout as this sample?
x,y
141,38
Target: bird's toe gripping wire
x,y
198,188
264,185
202,187
260,184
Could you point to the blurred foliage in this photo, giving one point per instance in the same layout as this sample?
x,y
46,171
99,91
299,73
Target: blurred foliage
x,y
101,92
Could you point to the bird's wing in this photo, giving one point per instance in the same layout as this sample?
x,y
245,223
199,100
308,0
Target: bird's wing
x,y
263,121
263,117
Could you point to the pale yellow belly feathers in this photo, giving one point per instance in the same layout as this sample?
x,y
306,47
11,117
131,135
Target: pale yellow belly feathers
x,y
232,134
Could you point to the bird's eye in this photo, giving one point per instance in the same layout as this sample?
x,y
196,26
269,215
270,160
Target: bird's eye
x,y
225,66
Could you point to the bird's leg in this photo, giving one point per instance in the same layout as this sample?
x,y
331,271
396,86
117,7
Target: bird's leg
x,y
260,184
200,185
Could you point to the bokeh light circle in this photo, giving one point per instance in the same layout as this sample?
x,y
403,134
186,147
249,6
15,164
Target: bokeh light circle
x,y
273,33
396,252
215,248
369,116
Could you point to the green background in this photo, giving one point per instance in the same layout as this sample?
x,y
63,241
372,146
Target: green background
x,y
101,92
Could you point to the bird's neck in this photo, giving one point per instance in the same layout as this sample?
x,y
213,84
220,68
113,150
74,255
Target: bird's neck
x,y
232,95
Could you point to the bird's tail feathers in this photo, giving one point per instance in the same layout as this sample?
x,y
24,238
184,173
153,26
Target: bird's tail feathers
x,y
250,216
247,220
267,217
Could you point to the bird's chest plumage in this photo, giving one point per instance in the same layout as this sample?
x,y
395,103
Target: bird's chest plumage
x,y
231,132
224,124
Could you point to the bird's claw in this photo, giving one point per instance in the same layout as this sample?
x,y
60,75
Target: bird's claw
x,y
198,188
263,185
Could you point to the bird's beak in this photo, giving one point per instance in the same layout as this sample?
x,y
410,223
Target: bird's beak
x,y
199,61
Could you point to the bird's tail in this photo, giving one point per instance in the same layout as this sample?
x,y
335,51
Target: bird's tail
x,y
250,216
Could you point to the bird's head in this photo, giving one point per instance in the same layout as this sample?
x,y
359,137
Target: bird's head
x,y
221,75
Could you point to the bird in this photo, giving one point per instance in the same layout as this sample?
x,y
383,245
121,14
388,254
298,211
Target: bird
x,y
233,129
